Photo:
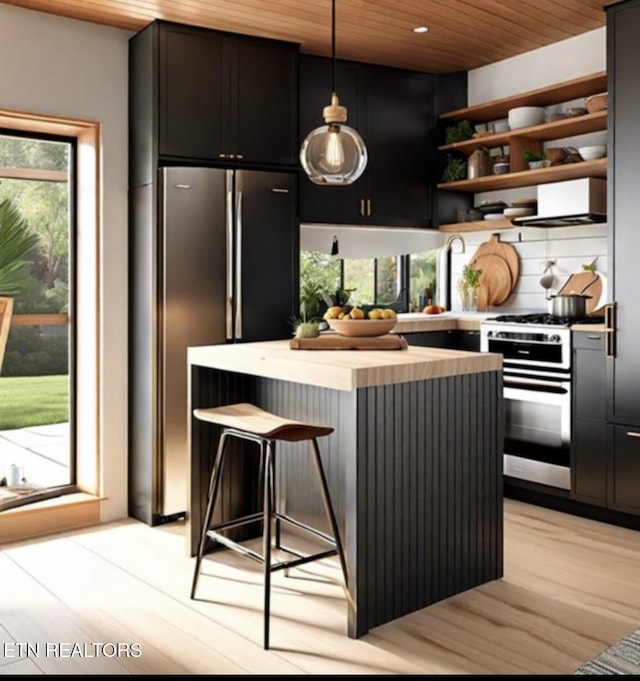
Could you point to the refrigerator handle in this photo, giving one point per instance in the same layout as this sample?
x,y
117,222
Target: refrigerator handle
x,y
238,320
229,260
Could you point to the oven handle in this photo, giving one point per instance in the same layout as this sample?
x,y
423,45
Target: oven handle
x,y
522,383
536,397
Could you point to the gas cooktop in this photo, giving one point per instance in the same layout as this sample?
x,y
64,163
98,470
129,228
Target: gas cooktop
x,y
543,319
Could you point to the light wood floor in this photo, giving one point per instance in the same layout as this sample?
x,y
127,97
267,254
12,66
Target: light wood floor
x,y
571,588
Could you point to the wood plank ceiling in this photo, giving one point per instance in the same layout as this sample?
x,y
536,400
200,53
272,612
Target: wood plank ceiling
x,y
463,34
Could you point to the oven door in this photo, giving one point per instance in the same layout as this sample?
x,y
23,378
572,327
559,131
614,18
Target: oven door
x,y
538,429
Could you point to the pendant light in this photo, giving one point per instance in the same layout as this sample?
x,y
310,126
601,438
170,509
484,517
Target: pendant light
x,y
333,154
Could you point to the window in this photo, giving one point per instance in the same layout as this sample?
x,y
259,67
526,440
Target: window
x,y
36,378
423,278
398,281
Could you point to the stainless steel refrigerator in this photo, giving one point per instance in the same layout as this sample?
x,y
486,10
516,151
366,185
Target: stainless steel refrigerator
x,y
214,259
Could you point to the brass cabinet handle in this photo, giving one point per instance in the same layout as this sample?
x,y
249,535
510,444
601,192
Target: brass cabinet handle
x,y
630,433
610,330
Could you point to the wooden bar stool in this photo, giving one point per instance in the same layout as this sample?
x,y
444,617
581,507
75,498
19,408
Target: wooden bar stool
x,y
248,422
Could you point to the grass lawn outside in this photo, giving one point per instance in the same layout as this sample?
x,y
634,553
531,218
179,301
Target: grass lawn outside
x,y
33,401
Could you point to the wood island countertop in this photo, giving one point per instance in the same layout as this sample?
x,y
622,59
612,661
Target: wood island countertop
x,y
344,370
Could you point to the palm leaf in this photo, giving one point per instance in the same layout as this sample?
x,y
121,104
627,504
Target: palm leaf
x,y
15,241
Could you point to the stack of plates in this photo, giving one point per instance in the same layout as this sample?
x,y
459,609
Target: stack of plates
x,y
525,116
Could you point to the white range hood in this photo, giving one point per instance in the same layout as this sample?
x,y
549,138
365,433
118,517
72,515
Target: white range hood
x,y
573,202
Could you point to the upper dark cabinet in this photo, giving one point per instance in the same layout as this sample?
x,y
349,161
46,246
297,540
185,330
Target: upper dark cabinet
x,y
211,97
393,111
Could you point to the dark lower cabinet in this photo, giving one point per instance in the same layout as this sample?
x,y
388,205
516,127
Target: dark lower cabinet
x,y
605,457
453,340
624,469
588,427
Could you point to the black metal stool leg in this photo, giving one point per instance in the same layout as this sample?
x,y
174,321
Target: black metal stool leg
x,y
266,539
214,485
274,501
328,507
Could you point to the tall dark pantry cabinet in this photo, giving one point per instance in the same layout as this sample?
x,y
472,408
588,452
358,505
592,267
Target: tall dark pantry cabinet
x,y
213,245
623,331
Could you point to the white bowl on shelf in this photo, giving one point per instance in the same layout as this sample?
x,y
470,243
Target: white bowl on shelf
x,y
494,216
593,152
525,116
518,211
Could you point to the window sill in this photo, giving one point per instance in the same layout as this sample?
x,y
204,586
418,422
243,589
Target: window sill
x,y
49,516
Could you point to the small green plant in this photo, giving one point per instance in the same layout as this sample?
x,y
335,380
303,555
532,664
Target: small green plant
x,y
471,276
456,169
458,133
533,156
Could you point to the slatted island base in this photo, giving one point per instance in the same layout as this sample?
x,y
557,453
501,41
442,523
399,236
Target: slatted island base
x,y
414,464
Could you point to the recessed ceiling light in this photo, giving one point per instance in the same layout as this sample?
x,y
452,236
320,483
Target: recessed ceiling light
x,y
420,29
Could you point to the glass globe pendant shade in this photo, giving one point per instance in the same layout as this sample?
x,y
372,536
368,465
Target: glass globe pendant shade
x,y
335,153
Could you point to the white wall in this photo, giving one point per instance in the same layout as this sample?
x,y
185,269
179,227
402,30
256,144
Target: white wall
x,y
62,67
570,247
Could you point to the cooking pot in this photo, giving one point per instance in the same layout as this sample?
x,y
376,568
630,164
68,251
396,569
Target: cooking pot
x,y
570,305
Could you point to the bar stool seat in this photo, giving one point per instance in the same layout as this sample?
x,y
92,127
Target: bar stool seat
x,y
249,422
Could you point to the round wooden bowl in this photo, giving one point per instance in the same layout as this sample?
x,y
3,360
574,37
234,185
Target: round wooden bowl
x,y
362,327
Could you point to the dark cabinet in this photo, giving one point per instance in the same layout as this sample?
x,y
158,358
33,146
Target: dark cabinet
x,y
624,469
212,97
453,340
623,25
393,110
623,351
588,427
605,458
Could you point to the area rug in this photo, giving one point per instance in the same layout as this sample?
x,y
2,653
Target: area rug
x,y
622,657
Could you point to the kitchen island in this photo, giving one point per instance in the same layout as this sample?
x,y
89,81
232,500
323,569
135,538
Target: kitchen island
x,y
414,464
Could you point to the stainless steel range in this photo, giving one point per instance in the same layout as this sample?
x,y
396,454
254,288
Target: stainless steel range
x,y
537,393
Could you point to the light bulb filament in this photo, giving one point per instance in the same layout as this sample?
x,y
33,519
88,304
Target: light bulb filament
x,y
334,156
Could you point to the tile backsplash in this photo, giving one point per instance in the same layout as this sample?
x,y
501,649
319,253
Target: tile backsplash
x,y
569,247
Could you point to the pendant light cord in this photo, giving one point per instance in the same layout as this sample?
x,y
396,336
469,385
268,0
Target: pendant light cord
x,y
333,45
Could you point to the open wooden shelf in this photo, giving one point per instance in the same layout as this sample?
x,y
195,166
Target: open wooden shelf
x,y
553,94
478,226
568,127
525,178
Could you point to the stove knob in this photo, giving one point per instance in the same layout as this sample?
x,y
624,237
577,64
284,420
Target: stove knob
x,y
555,338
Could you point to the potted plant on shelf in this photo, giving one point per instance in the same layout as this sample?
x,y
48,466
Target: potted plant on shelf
x,y
459,132
15,241
455,170
536,159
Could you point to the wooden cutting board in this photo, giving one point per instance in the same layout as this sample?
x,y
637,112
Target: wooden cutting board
x,y
495,281
333,341
506,251
588,283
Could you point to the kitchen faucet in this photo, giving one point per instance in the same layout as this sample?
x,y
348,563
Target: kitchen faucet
x,y
443,284
449,244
